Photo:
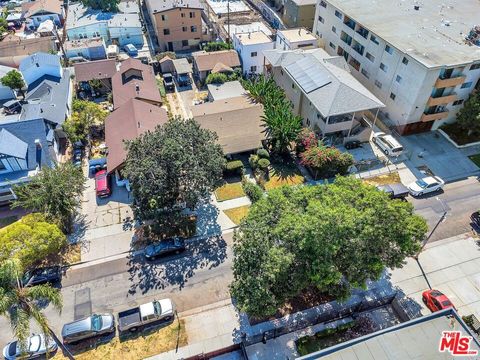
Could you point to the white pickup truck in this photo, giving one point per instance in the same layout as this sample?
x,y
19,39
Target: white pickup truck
x,y
132,319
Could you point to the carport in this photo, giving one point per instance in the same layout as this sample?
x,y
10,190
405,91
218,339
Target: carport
x,y
182,71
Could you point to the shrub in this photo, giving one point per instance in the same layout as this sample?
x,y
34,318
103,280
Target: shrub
x,y
234,167
216,78
263,154
305,139
253,160
263,164
253,191
326,162
217,46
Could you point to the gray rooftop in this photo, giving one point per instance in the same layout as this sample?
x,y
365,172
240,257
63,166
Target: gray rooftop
x,y
226,90
11,145
164,5
182,66
79,16
434,34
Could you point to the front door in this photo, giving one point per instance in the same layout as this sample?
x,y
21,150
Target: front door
x,y
170,46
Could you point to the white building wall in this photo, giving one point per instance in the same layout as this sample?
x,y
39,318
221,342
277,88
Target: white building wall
x,y
245,52
36,20
282,43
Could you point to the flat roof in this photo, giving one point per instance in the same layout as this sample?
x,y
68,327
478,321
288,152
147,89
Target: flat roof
x,y
245,28
251,38
220,6
434,35
296,35
226,90
415,339
127,17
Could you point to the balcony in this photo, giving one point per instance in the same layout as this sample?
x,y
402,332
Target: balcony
x,y
346,38
434,116
363,32
442,100
449,82
349,22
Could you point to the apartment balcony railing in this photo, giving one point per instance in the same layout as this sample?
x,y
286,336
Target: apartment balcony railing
x,y
363,32
435,116
350,23
442,100
358,48
449,82
346,38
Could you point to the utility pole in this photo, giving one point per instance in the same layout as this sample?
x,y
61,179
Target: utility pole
x,y
228,21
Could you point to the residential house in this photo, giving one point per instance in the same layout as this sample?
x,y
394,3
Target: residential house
x,y
250,46
291,39
177,23
5,92
205,63
90,49
247,28
421,60
134,80
237,120
324,93
13,49
101,70
120,28
40,65
36,12
127,122
299,13
225,91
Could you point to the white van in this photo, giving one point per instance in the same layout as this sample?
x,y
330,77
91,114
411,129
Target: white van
x,y
388,144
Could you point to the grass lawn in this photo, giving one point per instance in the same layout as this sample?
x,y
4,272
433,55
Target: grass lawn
x,y
459,135
7,221
284,174
137,347
229,191
391,178
237,214
475,159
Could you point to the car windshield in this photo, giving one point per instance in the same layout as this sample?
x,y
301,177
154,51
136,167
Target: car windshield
x,y
446,303
158,308
35,343
96,322
421,183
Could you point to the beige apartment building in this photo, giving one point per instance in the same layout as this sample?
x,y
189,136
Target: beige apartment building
x,y
177,23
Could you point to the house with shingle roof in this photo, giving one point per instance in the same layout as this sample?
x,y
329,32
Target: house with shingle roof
x,y
101,70
36,12
205,63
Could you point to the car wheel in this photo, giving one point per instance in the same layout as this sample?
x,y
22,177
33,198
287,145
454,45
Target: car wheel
x,y
424,299
133,329
169,318
420,194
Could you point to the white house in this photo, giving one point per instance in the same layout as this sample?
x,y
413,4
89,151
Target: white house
x,y
421,59
250,46
291,39
38,65
5,92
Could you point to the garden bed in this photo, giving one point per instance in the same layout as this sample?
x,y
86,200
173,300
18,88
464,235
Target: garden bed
x,y
283,174
386,179
459,135
237,214
229,191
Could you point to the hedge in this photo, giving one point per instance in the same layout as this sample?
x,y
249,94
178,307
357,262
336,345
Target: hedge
x,y
263,154
234,167
263,164
253,191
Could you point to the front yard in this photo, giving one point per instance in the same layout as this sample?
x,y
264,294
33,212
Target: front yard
x,y
283,174
386,179
229,191
237,214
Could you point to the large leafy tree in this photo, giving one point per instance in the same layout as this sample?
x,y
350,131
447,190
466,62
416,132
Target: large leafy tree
x,y
105,5
22,305
31,239
14,80
177,163
468,117
332,237
85,114
54,192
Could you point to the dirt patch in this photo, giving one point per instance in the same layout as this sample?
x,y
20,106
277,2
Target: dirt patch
x,y
385,179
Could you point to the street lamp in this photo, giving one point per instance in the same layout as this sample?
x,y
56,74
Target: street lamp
x,y
442,219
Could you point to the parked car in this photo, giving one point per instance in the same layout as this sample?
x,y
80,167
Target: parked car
x,y
387,143
352,144
164,247
103,184
77,157
36,347
426,185
132,319
89,327
168,82
130,50
43,275
436,300
395,191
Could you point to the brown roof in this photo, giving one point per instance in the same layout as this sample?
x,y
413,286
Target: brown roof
x,y
50,6
14,49
221,68
207,60
100,69
132,119
134,80
237,122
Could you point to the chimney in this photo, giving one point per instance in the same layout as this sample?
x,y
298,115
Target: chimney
x,y
38,144
416,7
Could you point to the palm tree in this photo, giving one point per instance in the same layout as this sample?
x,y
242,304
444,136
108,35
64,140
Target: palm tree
x,y
21,304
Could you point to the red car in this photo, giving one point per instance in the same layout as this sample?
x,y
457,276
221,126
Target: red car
x,y
436,300
102,184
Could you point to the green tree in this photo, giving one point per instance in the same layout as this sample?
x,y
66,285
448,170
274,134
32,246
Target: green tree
x,y
179,162
217,46
30,240
54,192
216,78
21,305
85,114
326,161
14,80
333,237
3,24
104,5
468,117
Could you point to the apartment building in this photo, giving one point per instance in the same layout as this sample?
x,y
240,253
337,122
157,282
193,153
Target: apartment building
x,y
299,13
250,46
415,57
177,23
291,39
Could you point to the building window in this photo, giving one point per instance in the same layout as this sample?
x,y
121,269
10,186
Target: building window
x,y
332,45
338,14
253,69
192,14
323,4
281,72
253,54
392,96
398,79
378,84
365,73
466,85
458,102
475,66
388,49
308,122
182,14
374,39
370,57
166,31
334,29
383,67
293,86
405,61
184,42
322,20
193,28
164,17
184,28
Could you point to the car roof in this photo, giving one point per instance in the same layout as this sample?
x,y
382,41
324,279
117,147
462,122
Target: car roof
x,y
430,180
77,326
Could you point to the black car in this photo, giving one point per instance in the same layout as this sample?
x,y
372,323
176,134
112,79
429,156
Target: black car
x,y
168,81
44,275
77,153
165,247
183,80
353,144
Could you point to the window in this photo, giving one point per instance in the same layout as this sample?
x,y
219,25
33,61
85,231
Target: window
x,y
398,79
475,66
354,63
392,96
334,29
323,4
322,20
182,14
184,42
184,28
373,38
308,122
193,28
293,86
466,85
388,49
281,72
405,61
370,57
458,102
164,17
365,73
383,67
338,14
192,14
378,84
332,45
253,69
253,54
166,31
2,166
